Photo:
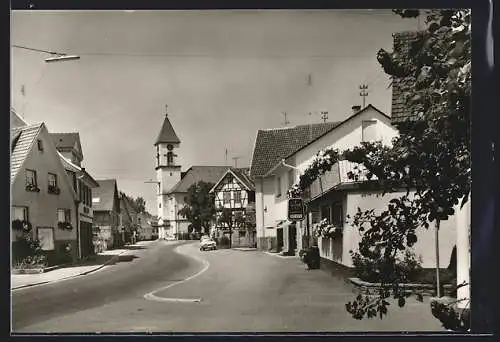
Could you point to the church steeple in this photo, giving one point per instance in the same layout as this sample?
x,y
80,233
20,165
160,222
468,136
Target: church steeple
x,y
167,134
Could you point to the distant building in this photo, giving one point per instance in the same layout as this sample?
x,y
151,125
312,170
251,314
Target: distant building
x,y
69,148
106,204
172,184
42,194
235,190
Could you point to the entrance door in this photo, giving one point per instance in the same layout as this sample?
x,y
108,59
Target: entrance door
x,y
86,244
279,238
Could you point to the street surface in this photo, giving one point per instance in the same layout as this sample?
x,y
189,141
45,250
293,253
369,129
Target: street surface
x,y
164,290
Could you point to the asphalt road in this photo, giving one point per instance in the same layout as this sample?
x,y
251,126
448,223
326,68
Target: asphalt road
x,y
238,291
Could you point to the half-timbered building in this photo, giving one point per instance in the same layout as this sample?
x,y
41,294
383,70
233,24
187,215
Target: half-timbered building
x,y
235,191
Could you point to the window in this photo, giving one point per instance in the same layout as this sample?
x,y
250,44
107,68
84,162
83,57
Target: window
x,y
326,213
291,178
170,158
227,197
337,214
159,205
237,196
369,130
278,186
52,180
19,213
40,145
96,200
31,178
63,215
46,237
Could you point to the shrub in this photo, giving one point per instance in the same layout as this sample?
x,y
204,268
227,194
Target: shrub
x,y
383,270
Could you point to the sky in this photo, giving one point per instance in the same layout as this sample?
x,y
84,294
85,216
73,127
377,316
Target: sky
x,y
223,74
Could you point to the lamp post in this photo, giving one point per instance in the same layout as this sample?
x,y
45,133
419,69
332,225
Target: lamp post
x,y
55,56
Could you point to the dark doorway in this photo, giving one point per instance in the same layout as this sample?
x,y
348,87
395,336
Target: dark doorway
x,y
279,239
86,239
292,237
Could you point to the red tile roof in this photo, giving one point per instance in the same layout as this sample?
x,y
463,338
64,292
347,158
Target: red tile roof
x,y
272,145
23,140
400,112
106,193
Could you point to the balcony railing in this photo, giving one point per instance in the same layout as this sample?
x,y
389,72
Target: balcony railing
x,y
336,176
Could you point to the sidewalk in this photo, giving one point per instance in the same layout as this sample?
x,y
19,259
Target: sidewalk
x,y
103,259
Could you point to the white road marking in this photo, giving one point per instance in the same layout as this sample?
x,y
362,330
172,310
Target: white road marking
x,y
151,295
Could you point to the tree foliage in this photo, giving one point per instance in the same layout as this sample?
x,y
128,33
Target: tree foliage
x,y
138,204
430,157
199,208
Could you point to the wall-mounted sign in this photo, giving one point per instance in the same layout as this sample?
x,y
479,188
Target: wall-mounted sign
x,y
295,209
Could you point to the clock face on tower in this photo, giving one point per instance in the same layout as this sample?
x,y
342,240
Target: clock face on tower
x,y
170,147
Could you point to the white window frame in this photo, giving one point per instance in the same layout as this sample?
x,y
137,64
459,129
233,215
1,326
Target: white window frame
x,y
46,245
25,213
28,180
54,184
237,196
66,213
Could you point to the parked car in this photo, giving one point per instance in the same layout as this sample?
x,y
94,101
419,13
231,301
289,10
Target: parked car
x,y
204,237
170,238
207,244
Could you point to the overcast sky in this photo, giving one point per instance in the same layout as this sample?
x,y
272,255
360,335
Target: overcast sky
x,y
223,74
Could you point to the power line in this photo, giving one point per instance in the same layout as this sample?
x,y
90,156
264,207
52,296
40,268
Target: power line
x,y
195,55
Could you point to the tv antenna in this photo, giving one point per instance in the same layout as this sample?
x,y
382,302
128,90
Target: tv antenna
x,y
363,93
285,114
324,116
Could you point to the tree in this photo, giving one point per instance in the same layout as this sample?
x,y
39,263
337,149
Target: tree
x,y
140,205
200,207
430,157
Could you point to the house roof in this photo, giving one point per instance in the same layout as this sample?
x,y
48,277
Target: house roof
x,y
106,194
23,140
339,125
402,44
272,145
65,140
241,174
16,120
75,168
167,133
209,174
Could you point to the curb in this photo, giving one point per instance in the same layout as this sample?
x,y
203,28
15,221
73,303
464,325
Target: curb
x,y
113,260
281,256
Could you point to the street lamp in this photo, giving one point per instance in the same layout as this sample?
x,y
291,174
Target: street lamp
x,y
56,56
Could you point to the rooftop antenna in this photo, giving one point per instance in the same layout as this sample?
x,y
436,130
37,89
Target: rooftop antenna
x,y
236,161
363,92
286,121
309,80
324,116
225,160
310,127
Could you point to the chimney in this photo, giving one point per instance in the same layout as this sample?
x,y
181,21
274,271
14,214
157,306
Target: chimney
x,y
356,108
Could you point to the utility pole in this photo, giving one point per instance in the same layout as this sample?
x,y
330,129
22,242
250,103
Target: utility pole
x,y
286,121
363,93
324,116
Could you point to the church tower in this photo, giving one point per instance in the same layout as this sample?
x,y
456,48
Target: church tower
x,y
168,173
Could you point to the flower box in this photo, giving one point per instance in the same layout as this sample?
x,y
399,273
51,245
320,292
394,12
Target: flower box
x,y
54,190
64,225
327,231
21,225
32,188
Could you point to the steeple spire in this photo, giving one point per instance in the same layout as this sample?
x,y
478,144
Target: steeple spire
x,y
166,110
167,134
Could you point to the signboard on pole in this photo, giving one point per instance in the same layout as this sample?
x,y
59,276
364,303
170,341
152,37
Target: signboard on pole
x,y
295,209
